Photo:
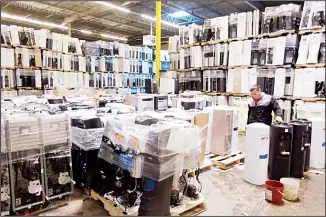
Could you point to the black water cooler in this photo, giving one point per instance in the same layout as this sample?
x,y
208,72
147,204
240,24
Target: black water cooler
x,y
307,145
157,175
280,151
298,148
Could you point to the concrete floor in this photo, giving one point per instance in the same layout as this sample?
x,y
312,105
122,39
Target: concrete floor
x,y
228,194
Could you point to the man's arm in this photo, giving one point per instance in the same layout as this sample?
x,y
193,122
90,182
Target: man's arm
x,y
276,107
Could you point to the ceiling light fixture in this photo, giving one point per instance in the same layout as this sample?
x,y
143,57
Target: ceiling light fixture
x,y
114,37
86,32
162,21
28,20
114,6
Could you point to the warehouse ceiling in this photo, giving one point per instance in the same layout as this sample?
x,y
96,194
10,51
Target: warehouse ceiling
x,y
101,19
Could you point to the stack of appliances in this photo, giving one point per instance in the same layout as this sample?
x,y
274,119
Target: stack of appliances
x,y
86,138
214,81
25,162
56,145
190,81
5,185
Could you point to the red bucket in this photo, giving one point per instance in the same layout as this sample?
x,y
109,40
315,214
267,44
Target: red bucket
x,y
274,191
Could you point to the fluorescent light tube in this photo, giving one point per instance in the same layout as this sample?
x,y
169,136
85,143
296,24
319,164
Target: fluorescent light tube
x,y
114,37
113,6
28,20
162,21
86,31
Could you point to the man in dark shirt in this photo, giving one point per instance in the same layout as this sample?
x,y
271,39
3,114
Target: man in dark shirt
x,y
261,106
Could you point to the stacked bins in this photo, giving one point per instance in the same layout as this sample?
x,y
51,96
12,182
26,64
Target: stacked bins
x,y
56,146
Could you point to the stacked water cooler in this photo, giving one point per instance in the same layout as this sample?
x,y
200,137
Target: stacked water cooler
x,y
5,185
56,146
25,162
87,134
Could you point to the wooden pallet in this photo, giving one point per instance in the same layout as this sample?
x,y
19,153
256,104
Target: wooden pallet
x,y
7,67
26,46
75,54
213,67
238,39
114,210
207,166
277,34
29,68
309,31
214,42
109,205
243,66
192,210
37,210
275,66
189,45
190,69
312,65
228,161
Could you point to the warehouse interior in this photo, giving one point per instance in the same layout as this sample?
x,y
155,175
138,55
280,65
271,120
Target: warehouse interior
x,y
162,108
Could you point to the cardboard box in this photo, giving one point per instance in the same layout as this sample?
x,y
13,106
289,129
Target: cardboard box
x,y
237,80
201,120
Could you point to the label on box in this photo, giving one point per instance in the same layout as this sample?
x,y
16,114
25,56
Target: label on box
x,y
268,195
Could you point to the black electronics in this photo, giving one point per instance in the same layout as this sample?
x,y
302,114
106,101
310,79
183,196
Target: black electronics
x,y
84,161
57,171
55,101
175,198
191,81
5,186
156,197
148,86
103,177
157,179
266,80
307,144
145,120
298,148
188,105
280,150
160,102
255,52
90,123
26,178
320,88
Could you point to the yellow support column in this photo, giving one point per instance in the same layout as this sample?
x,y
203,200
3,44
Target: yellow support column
x,y
158,42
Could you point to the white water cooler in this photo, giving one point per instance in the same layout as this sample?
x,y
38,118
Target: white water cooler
x,y
256,154
235,130
317,153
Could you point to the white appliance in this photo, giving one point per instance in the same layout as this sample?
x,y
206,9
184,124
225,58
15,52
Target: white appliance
x,y
317,154
219,134
142,102
256,154
235,130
